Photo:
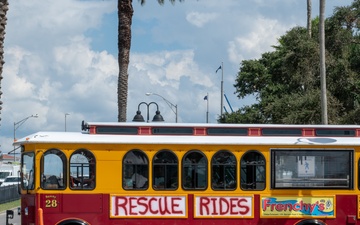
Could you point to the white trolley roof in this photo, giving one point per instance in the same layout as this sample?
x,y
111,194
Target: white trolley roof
x,y
202,134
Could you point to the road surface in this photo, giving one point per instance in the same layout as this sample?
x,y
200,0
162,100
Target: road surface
x,y
15,221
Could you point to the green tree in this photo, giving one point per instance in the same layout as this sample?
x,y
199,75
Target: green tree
x,y
4,6
125,13
286,81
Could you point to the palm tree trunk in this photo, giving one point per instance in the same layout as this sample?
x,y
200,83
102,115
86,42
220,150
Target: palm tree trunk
x,y
324,117
125,13
309,17
4,6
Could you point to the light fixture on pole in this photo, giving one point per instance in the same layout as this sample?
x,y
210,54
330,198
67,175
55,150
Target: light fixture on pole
x,y
139,118
171,105
207,107
222,88
66,114
17,125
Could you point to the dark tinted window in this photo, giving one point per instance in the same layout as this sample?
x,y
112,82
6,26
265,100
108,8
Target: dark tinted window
x,y
135,170
194,170
223,171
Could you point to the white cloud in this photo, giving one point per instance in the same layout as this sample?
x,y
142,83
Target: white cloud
x,y
264,35
200,19
57,61
168,67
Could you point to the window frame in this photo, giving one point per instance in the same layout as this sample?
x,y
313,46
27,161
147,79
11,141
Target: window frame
x,y
134,172
167,171
223,167
81,182
29,177
50,183
195,168
257,168
312,181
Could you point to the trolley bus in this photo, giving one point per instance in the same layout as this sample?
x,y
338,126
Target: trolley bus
x,y
194,174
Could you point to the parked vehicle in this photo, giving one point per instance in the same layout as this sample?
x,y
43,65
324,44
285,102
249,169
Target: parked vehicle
x,y
11,180
8,170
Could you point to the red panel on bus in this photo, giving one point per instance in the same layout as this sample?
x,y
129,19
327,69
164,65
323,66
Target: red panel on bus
x,y
144,130
200,131
254,132
89,203
309,132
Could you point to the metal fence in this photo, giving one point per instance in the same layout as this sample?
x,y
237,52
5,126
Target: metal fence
x,y
9,193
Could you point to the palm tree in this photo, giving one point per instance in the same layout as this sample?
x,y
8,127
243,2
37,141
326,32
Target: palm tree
x,y
125,13
4,6
309,17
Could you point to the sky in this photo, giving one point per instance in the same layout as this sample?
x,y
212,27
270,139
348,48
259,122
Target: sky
x,y
61,59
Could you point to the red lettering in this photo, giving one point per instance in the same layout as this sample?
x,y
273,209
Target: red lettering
x,y
151,206
163,206
312,206
132,205
279,207
214,206
233,202
142,202
244,207
219,206
175,205
120,205
297,207
204,204
265,204
223,210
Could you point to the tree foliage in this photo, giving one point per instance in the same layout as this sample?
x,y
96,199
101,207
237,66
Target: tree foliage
x,y
286,81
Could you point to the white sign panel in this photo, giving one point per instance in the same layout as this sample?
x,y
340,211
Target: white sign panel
x,y
306,166
223,206
148,206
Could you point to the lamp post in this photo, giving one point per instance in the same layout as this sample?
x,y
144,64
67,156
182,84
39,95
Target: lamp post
x,y
139,118
66,114
18,124
171,105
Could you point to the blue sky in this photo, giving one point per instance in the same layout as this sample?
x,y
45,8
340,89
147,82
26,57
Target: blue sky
x,y
61,57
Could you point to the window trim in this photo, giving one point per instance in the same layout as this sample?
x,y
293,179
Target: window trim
x,y
314,152
124,164
166,165
43,180
92,171
224,165
194,179
255,165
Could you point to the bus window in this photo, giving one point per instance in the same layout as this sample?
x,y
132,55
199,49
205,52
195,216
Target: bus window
x,y
27,170
194,170
312,168
223,171
252,171
82,170
53,168
165,171
135,170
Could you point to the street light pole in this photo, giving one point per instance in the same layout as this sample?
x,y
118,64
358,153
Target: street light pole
x,y
171,105
66,114
18,124
139,118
